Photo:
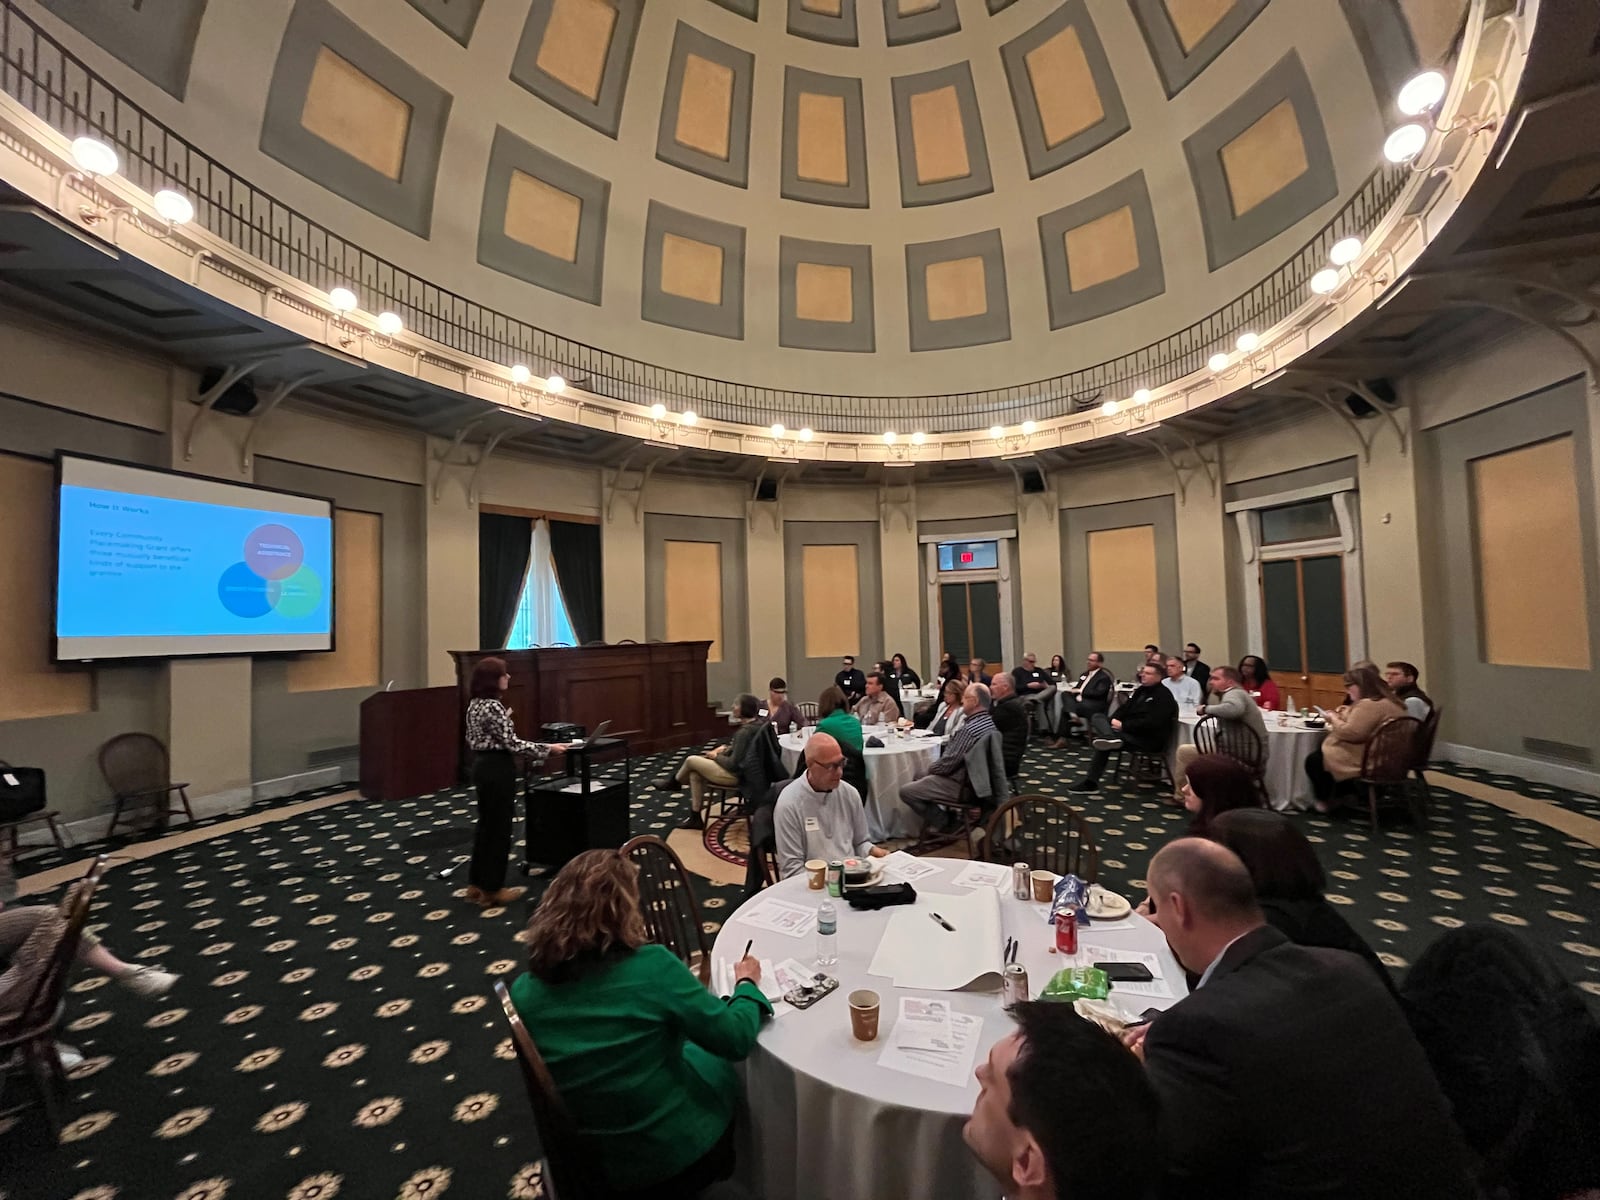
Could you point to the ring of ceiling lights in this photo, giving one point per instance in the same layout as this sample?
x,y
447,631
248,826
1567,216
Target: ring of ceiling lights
x,y
84,185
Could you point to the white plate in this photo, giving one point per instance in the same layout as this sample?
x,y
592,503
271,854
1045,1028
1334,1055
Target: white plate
x,y
1115,907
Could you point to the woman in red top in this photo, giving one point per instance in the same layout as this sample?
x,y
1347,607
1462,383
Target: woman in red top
x,y
1258,681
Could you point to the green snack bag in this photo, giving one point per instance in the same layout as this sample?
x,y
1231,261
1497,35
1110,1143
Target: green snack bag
x,y
1077,983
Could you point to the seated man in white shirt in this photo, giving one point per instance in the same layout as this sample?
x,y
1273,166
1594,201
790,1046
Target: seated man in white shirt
x,y
1184,688
819,815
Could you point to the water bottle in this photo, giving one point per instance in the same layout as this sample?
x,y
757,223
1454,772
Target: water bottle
x,y
827,934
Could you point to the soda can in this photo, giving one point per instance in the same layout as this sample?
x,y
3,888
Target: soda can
x,y
1067,931
836,877
1021,881
1014,985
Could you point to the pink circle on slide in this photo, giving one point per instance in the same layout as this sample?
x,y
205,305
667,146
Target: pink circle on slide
x,y
273,551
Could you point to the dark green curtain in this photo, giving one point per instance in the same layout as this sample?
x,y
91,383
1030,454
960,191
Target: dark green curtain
x,y
503,544
576,550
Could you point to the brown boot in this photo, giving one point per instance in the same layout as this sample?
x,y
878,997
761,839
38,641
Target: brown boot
x,y
506,895
476,895
1059,744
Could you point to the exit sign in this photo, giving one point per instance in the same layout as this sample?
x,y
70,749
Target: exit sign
x,y
966,556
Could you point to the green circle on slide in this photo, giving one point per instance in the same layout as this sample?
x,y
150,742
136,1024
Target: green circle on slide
x,y
299,595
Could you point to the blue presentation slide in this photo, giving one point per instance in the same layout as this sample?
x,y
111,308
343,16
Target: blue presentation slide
x,y
145,566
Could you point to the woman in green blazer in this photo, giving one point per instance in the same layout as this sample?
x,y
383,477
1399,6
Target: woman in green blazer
x,y
641,1053
834,716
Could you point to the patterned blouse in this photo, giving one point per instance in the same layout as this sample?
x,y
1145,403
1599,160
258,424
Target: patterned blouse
x,y
489,728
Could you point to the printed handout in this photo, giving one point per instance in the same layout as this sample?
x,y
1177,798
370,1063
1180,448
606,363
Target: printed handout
x,y
982,874
780,916
953,1067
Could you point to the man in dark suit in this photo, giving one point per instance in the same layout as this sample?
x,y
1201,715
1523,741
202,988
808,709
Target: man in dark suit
x,y
1144,722
1289,1071
851,682
1198,671
1011,719
1090,695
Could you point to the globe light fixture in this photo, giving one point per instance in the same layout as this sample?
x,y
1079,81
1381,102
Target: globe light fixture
x,y
1324,281
555,385
1247,342
173,207
1421,93
341,300
688,417
1405,143
1217,361
1109,408
1142,396
889,436
1027,428
996,432
918,438
94,157
805,434
777,430
1344,251
390,324
520,374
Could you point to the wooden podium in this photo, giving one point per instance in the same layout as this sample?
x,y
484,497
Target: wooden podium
x,y
653,693
410,742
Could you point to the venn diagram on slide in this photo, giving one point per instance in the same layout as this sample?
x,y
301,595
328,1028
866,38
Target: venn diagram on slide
x,y
272,577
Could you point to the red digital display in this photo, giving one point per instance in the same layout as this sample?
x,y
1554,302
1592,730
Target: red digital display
x,y
966,556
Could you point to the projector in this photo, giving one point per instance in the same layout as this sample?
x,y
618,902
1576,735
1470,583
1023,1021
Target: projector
x,y
561,731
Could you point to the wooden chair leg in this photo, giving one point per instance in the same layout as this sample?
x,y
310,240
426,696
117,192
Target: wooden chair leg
x,y
183,795
116,815
55,832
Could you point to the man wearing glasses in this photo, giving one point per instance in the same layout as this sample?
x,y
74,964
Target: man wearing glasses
x,y
850,681
819,815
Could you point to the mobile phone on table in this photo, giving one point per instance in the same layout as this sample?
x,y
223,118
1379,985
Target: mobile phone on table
x,y
1125,972
809,994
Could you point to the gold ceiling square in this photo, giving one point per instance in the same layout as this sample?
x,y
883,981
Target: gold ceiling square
x,y
691,269
705,107
938,136
1264,159
1063,87
543,216
821,143
1100,250
577,41
347,108
823,292
956,288
1193,19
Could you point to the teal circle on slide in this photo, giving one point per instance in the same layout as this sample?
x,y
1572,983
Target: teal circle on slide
x,y
299,594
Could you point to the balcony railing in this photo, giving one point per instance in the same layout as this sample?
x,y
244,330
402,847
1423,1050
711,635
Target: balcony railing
x,y
60,89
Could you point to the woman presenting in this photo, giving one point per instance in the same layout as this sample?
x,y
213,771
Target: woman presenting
x,y
495,744
640,1051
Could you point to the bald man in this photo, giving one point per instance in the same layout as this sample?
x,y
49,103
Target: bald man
x,y
1290,1070
819,815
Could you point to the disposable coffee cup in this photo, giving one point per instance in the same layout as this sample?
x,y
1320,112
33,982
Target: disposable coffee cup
x,y
864,1015
817,870
1044,885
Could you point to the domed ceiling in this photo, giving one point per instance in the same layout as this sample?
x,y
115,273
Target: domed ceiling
x,y
868,197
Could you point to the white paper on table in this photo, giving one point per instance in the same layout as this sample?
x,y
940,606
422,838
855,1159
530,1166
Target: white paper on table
x,y
982,874
924,1024
953,1067
901,867
790,975
780,916
1156,989
917,952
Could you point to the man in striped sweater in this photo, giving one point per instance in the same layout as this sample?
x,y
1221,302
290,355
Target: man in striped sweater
x,y
946,777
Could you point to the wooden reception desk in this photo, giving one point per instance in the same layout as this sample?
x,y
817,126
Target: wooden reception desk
x,y
653,693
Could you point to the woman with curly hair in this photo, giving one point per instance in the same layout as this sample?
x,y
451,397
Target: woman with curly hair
x,y
641,1053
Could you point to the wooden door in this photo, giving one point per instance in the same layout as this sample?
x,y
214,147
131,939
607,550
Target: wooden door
x,y
1302,606
969,621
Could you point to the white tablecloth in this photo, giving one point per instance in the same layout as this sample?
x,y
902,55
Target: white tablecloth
x,y
825,1120
889,769
1287,747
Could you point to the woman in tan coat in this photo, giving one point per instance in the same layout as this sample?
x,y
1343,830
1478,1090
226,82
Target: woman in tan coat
x,y
1350,727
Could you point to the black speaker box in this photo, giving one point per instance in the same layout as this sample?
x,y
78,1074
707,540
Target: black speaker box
x,y
238,400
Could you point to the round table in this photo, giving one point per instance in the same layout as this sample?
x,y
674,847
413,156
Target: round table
x,y
899,761
825,1119
1288,744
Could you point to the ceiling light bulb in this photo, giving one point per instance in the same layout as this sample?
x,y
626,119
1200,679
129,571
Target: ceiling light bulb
x,y
918,438
1247,342
888,437
1142,396
688,417
1324,281
777,430
173,207
658,410
1217,361
94,157
520,374
1345,251
1405,143
341,300
1027,428
1421,92
1109,408
555,385
805,434
390,324
996,432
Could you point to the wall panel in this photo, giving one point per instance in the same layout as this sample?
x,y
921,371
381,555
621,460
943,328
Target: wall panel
x,y
1124,613
821,594
831,599
696,586
694,594
356,659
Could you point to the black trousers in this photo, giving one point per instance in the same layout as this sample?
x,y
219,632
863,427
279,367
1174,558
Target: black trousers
x,y
1100,726
1323,784
714,1165
494,776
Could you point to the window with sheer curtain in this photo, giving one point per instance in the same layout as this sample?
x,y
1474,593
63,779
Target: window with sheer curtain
x,y
541,618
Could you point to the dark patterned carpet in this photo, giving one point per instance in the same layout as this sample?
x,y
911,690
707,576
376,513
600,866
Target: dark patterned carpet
x,y
334,1033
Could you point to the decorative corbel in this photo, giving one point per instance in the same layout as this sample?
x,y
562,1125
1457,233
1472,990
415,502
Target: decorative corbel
x,y
897,500
209,398
1025,499
753,505
619,484
280,393
1182,471
448,458
1357,387
477,467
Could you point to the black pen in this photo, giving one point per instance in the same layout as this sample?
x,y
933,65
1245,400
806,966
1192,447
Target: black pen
x,y
1006,957
943,922
747,946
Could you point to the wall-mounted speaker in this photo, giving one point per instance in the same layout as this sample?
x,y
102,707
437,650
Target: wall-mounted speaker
x,y
239,399
767,489
1357,404
1032,481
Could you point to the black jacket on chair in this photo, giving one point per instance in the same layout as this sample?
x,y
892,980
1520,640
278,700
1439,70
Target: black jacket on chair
x,y
1148,717
1011,719
1292,1073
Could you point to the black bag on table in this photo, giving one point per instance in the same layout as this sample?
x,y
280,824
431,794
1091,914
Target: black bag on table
x,y
21,792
